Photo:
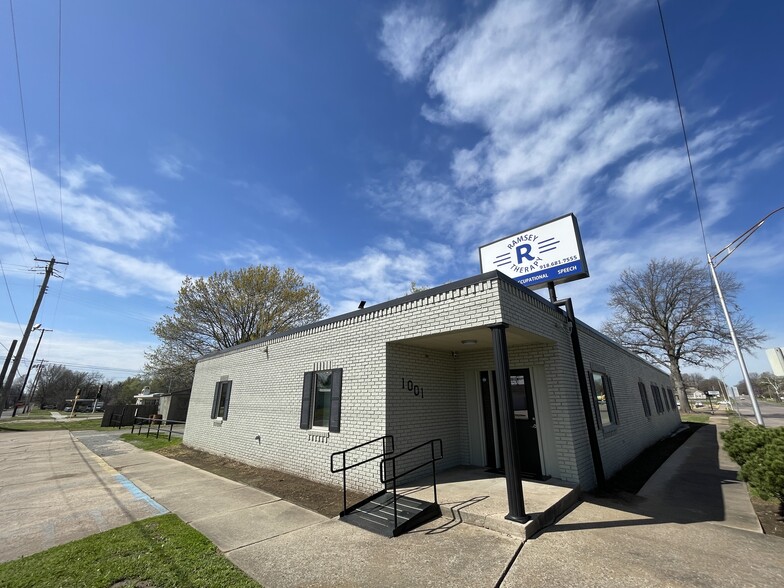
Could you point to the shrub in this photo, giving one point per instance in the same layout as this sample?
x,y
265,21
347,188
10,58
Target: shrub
x,y
764,469
740,441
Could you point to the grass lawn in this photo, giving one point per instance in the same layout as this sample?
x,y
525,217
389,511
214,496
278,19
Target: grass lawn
x,y
162,552
695,418
71,425
35,413
151,443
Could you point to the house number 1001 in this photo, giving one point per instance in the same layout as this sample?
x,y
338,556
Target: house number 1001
x,y
409,385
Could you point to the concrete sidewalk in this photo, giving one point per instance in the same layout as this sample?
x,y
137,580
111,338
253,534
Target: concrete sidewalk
x,y
699,483
281,544
692,524
669,535
692,511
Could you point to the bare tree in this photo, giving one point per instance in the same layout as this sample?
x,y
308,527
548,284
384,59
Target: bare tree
x,y
667,314
56,383
226,309
773,384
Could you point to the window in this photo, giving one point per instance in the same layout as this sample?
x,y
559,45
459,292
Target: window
x,y
603,399
220,402
321,394
672,398
657,399
646,406
666,400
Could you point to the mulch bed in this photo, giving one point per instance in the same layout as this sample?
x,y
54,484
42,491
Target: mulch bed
x,y
321,498
770,514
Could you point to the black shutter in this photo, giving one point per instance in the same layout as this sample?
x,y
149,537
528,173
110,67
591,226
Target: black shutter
x,y
334,409
307,393
226,401
215,400
594,401
611,399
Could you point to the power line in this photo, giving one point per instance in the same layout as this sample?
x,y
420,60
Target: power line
x,y
683,127
97,367
59,119
24,125
13,209
11,298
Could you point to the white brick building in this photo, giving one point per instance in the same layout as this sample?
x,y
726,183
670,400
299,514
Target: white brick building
x,y
423,367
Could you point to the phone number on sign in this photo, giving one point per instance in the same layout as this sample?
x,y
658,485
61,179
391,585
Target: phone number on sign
x,y
559,262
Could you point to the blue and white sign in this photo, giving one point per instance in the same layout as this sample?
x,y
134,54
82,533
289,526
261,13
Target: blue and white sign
x,y
550,252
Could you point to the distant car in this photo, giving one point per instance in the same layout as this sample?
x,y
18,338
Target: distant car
x,y
698,405
725,402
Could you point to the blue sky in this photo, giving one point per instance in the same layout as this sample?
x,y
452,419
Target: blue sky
x,y
368,144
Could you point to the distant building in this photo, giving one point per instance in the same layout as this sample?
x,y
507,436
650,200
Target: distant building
x,y
776,359
173,406
694,394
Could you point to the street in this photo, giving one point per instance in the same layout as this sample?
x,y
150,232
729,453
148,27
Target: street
x,y
772,413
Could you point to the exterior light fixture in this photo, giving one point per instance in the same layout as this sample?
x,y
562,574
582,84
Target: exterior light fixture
x,y
468,341
723,254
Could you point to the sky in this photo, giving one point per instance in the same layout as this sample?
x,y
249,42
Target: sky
x,y
371,144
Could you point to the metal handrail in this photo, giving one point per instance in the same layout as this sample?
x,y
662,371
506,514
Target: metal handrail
x,y
395,476
150,421
343,453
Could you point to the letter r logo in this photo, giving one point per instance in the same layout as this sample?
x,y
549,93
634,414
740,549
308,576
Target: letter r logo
x,y
524,251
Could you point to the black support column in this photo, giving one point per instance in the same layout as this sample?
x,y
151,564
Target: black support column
x,y
514,485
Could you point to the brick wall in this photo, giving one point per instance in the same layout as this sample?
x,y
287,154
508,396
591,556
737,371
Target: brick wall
x,y
267,385
380,350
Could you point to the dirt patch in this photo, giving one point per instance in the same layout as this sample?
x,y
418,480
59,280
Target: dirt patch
x,y
770,514
321,498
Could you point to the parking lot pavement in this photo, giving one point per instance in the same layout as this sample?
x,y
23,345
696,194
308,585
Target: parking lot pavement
x,y
54,489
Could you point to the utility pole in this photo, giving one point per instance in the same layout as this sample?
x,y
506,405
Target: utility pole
x,y
30,367
15,366
29,404
5,366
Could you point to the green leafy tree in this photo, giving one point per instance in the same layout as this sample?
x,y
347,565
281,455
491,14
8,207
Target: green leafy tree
x,y
226,309
667,313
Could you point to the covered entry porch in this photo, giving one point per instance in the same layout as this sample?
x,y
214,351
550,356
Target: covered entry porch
x,y
471,495
484,392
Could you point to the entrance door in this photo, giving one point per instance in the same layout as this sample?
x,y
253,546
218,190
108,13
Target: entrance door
x,y
525,421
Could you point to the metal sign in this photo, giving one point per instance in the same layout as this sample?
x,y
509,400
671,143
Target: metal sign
x,y
550,252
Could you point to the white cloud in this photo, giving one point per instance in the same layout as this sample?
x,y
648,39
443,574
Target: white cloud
x,y
169,166
98,267
92,203
549,85
409,35
379,273
267,200
85,352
